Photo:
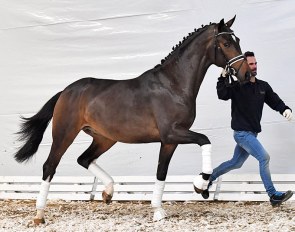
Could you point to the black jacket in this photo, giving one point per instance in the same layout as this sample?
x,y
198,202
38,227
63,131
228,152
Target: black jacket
x,y
247,102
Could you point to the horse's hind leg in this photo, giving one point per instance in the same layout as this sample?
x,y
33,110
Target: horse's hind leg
x,y
62,139
98,146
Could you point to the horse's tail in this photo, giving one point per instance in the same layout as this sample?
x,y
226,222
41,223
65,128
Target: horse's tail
x,y
33,128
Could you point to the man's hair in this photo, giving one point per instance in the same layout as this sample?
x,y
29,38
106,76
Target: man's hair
x,y
246,54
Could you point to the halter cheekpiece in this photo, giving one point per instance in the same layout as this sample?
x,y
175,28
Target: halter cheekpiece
x,y
229,69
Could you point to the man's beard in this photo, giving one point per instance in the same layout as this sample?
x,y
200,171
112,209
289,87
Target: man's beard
x,y
254,72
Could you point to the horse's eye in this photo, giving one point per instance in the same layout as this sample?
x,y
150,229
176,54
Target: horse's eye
x,y
227,44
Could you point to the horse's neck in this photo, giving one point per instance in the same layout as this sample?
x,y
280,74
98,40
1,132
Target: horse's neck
x,y
188,70
197,77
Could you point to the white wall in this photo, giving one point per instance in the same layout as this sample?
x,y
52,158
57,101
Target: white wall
x,y
46,45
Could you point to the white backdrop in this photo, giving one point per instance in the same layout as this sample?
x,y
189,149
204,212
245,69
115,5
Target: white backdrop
x,y
46,45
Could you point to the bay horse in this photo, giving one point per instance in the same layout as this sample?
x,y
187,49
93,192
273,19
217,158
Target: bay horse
x,y
157,106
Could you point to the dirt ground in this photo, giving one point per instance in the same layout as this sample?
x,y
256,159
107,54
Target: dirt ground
x,y
17,215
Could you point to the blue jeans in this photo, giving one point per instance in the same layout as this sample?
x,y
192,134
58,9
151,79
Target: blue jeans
x,y
247,143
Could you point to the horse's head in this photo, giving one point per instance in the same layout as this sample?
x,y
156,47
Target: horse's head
x,y
227,51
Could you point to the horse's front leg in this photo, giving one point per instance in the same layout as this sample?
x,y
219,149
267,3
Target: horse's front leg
x,y
184,136
165,156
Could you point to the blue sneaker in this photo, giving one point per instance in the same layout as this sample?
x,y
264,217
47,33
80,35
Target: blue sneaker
x,y
278,198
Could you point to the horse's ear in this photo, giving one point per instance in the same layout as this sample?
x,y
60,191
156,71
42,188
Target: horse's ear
x,y
230,22
220,24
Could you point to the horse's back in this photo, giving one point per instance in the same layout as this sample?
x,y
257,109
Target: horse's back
x,y
88,83
117,109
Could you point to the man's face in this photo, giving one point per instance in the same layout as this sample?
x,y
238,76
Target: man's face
x,y
251,60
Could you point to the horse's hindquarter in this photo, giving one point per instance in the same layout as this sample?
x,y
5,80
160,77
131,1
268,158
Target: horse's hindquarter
x,y
120,110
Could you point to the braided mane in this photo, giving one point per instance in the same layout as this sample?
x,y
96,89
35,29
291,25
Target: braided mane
x,y
184,42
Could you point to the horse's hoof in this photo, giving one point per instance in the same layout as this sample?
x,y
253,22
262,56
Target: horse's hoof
x,y
205,194
200,184
198,190
159,214
106,198
38,221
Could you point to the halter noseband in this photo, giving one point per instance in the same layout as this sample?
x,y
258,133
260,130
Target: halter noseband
x,y
229,69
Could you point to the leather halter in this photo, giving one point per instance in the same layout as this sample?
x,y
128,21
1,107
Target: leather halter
x,y
229,69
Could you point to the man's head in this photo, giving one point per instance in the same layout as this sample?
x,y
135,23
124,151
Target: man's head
x,y
251,60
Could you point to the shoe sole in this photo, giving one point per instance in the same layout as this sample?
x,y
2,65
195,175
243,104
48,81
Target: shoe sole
x,y
289,194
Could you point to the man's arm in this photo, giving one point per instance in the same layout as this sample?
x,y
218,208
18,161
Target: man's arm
x,y
224,90
276,103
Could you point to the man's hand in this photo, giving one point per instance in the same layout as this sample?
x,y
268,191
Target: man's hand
x,y
288,114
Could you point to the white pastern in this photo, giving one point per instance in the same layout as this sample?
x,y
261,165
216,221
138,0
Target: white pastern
x,y
159,212
158,194
42,196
